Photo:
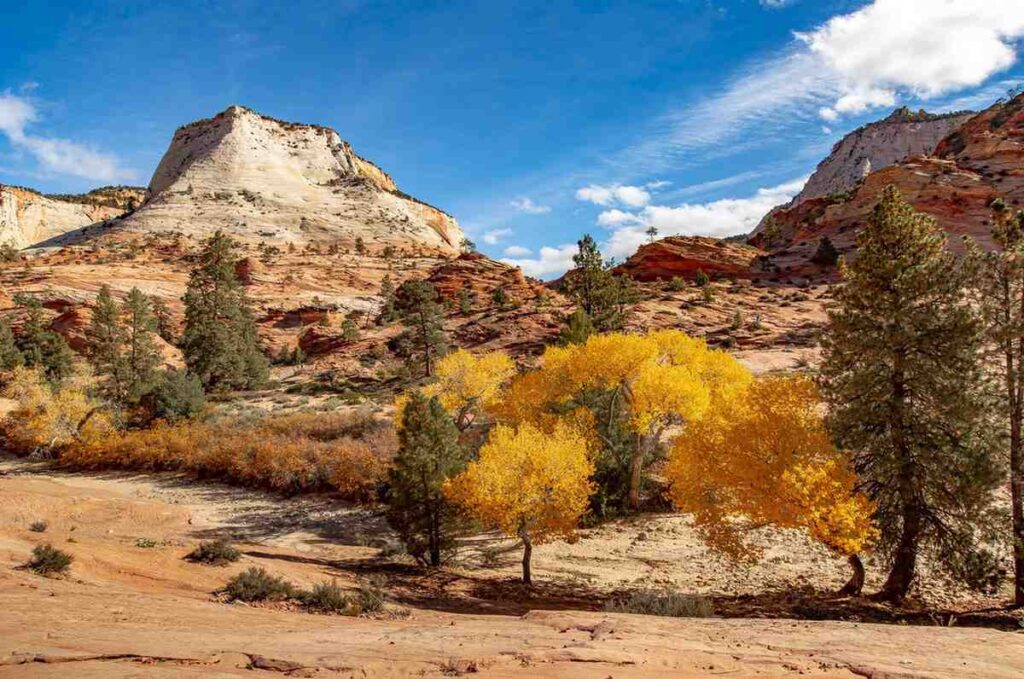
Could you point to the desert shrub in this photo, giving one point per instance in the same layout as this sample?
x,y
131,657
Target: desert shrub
x,y
327,597
675,284
255,584
48,560
176,395
214,552
38,526
371,596
346,453
145,543
667,604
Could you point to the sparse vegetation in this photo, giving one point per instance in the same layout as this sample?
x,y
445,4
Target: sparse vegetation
x,y
38,526
214,553
255,584
666,604
48,560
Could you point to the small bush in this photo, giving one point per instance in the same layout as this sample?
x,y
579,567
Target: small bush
x,y
48,560
371,595
256,584
327,597
177,395
38,526
214,552
145,543
667,604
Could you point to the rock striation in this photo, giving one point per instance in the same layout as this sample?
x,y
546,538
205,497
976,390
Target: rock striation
x,y
28,217
684,256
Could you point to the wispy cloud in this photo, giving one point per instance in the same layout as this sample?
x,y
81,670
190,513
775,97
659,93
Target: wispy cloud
x,y
525,204
632,196
494,236
517,251
54,154
549,262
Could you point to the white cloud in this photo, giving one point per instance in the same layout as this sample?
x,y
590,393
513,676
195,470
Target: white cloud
x,y
657,184
630,196
775,4
725,217
525,204
549,263
494,235
57,155
924,47
517,251
616,217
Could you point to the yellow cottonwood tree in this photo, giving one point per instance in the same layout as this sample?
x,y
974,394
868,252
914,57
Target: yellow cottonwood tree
x,y
48,417
528,483
467,384
767,457
656,382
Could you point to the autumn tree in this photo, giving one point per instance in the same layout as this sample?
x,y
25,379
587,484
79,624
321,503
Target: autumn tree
x,y
764,456
997,281
428,454
220,342
467,385
47,417
902,378
423,339
528,483
628,392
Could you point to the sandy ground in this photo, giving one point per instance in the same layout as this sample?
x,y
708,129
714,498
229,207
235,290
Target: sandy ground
x,y
131,609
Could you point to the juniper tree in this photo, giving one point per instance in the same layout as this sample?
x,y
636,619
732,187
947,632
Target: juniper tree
x,y
40,346
141,357
997,279
388,312
10,355
349,330
826,255
106,337
903,381
219,341
164,323
423,339
428,454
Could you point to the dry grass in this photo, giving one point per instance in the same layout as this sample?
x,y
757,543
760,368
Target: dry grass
x,y
344,452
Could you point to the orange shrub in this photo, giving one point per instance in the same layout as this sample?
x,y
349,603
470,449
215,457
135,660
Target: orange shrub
x,y
346,453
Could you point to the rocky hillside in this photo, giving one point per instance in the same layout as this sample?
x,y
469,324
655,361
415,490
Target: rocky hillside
x,y
982,159
684,256
264,180
28,217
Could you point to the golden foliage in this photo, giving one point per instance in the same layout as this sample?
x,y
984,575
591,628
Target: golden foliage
x,y
467,384
765,456
45,418
325,451
527,482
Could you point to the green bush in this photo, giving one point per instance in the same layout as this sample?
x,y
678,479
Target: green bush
x,y
38,526
371,597
256,584
177,395
214,553
48,560
327,597
667,604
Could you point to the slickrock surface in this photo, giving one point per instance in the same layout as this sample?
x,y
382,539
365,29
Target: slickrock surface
x,y
684,256
132,606
28,217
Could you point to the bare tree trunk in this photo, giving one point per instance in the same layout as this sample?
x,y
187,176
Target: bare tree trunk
x,y
904,565
1017,508
527,554
856,582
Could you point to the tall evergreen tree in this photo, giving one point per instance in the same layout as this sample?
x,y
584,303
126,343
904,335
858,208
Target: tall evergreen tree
x,y
997,278
164,323
595,289
428,454
141,357
219,341
10,355
106,337
423,339
902,378
388,312
40,346
577,330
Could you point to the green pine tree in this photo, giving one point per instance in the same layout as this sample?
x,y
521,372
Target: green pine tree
x,y
220,342
500,297
141,357
349,330
423,339
164,322
106,337
388,312
997,281
428,454
595,289
904,385
826,255
10,355
577,329
40,346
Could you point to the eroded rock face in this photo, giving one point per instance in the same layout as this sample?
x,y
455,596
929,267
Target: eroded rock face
x,y
481,276
684,256
260,179
28,218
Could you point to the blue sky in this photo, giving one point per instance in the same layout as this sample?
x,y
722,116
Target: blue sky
x,y
532,122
